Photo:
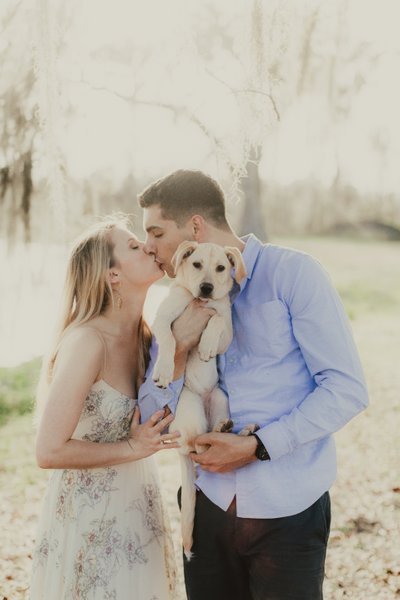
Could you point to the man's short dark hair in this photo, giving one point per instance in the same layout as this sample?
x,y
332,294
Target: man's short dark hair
x,y
185,193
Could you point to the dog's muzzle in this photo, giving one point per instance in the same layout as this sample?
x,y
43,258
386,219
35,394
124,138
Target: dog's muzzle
x,y
206,289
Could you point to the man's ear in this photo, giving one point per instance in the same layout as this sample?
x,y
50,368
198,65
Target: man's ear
x,y
236,259
184,250
198,227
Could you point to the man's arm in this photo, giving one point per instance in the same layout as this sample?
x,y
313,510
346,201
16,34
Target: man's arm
x,y
321,328
187,330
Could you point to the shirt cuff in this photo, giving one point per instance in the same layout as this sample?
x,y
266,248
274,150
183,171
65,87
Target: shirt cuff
x,y
275,440
163,396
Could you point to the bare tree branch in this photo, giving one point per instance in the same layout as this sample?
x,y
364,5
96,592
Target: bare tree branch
x,y
269,96
178,111
246,91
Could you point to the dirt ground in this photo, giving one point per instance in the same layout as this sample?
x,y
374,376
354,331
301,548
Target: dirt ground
x,y
363,559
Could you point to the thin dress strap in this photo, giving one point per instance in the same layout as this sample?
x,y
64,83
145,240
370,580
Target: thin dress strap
x,y
100,336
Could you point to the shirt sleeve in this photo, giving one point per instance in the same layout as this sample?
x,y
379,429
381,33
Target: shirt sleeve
x,y
324,337
152,398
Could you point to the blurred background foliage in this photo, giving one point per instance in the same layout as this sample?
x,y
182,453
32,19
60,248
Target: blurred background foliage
x,y
291,105
17,389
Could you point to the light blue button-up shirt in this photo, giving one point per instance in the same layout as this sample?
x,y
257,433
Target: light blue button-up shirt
x,y
293,368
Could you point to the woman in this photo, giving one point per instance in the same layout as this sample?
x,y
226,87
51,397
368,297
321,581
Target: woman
x,y
102,534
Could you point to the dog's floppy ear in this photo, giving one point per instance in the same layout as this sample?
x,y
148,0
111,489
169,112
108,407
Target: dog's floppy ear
x,y
184,250
235,258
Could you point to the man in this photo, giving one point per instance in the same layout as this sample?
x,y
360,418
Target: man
x,y
262,510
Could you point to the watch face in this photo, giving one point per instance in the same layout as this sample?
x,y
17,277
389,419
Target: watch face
x,y
262,453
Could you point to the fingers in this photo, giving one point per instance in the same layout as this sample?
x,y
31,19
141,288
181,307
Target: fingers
x,y
206,310
199,458
205,439
170,436
154,419
163,423
157,423
168,441
196,304
216,438
210,312
169,445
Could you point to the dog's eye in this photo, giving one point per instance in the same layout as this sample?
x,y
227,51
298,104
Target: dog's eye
x,y
220,268
197,265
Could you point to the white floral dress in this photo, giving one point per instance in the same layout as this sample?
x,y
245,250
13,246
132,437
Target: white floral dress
x,y
103,534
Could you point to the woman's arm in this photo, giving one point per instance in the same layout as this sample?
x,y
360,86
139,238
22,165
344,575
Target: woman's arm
x,y
77,367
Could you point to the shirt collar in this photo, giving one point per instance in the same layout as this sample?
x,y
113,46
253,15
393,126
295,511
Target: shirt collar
x,y
250,252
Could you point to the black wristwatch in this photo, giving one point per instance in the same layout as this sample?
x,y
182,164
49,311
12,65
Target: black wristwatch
x,y
261,451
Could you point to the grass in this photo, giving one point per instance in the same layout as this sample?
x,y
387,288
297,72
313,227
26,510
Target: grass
x,y
17,459
17,400
365,273
17,389
365,297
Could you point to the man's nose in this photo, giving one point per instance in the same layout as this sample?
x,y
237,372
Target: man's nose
x,y
148,247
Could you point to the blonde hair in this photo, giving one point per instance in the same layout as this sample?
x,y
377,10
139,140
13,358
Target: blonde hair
x,y
87,293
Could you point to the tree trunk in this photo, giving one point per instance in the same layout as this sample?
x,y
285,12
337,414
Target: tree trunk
x,y
252,219
27,187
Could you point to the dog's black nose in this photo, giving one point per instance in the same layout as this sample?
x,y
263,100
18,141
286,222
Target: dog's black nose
x,y
206,289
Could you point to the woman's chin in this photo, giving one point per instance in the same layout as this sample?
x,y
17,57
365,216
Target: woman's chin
x,y
159,275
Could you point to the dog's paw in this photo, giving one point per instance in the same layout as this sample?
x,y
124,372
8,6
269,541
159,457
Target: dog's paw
x,y
207,351
206,356
163,373
224,426
249,429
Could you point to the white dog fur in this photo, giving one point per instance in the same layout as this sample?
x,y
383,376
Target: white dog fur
x,y
202,271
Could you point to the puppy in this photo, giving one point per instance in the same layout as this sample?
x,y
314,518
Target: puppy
x,y
202,271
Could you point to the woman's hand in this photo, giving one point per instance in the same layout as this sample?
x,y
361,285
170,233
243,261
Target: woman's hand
x,y
146,439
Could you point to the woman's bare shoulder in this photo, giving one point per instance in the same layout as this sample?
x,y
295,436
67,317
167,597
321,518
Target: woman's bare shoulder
x,y
85,338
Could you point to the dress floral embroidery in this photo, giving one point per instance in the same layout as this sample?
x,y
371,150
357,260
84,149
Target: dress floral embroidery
x,y
78,489
103,534
149,505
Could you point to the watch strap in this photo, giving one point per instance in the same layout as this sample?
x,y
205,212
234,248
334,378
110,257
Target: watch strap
x,y
261,451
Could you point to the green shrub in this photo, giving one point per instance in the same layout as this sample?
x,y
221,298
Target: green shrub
x,y
17,389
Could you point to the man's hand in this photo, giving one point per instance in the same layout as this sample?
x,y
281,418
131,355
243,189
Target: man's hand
x,y
187,330
226,452
189,326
